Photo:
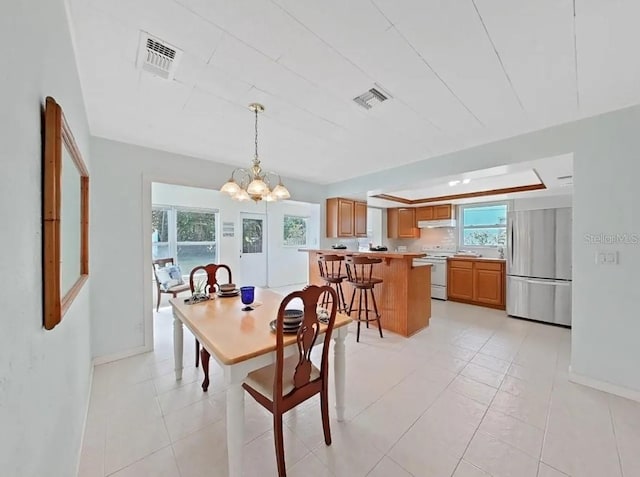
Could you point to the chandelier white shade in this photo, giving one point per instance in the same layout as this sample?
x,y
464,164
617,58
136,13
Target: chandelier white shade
x,y
254,183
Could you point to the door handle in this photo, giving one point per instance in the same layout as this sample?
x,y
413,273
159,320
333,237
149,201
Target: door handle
x,y
511,247
549,282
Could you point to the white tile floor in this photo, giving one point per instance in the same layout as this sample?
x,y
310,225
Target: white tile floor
x,y
476,394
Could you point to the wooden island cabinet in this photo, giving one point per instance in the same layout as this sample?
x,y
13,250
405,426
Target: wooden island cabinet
x,y
479,281
403,297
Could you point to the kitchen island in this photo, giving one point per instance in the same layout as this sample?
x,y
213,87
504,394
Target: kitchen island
x,y
404,297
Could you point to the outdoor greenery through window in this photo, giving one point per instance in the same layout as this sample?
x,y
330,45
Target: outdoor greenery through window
x,y
188,235
295,230
484,225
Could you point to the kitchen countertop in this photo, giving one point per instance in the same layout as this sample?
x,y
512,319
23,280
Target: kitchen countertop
x,y
482,259
387,254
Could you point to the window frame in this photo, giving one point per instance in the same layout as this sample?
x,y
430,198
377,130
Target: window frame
x,y
172,230
461,225
306,219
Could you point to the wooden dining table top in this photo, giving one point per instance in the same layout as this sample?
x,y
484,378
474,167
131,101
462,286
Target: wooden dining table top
x,y
234,335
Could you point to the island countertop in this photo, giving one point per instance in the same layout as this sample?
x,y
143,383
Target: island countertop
x,y
404,296
387,254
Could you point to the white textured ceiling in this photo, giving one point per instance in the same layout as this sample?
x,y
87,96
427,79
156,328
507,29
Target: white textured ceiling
x,y
461,72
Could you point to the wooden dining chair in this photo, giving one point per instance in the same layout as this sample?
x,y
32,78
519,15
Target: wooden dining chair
x,y
160,263
211,286
288,382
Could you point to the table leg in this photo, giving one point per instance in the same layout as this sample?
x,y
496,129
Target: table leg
x,y
339,371
177,347
235,428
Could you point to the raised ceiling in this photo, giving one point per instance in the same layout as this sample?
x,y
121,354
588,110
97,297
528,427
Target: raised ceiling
x,y
461,73
549,176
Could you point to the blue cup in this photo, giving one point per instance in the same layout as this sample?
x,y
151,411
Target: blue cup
x,y
247,296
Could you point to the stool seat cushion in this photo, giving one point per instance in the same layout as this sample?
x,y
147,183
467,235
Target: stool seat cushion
x,y
370,283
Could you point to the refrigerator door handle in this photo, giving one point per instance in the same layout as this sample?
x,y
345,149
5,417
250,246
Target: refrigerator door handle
x,y
510,242
548,282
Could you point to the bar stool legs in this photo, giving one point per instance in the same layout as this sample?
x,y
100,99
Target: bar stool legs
x,y
342,303
366,310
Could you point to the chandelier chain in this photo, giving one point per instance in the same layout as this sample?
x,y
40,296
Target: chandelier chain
x,y
256,139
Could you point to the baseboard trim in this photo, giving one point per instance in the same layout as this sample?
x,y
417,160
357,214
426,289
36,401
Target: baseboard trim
x,y
604,386
122,355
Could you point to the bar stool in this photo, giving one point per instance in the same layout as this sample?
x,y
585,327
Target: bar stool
x,y
359,276
331,273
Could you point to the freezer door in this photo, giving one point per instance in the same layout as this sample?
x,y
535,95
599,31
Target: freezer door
x,y
539,243
539,299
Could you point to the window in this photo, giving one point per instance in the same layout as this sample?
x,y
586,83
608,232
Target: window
x,y
295,231
484,225
252,235
188,235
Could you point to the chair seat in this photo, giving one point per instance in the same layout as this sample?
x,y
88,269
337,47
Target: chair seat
x,y
178,288
262,379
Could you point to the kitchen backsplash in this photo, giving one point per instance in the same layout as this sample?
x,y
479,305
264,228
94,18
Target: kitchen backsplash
x,y
445,238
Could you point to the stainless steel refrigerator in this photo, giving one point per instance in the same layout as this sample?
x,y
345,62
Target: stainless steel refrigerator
x,y
539,265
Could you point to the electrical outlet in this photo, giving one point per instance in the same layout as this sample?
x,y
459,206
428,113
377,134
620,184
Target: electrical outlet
x,y
606,258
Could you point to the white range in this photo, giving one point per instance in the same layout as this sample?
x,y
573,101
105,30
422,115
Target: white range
x,y
438,261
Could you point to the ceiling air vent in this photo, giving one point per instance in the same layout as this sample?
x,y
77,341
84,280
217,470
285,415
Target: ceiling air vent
x,y
372,97
157,57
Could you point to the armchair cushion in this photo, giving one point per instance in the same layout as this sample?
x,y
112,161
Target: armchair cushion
x,y
169,277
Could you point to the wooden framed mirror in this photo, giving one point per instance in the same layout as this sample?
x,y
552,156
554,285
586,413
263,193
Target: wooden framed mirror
x,y
65,217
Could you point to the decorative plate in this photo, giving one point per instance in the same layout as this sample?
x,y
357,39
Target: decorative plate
x,y
222,294
285,329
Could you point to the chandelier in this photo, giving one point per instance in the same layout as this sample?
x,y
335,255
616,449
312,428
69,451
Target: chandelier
x,y
254,182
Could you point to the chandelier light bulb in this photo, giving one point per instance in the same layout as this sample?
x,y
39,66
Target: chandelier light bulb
x,y
231,187
281,192
257,187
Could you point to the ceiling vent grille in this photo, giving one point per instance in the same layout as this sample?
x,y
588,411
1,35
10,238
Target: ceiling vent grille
x,y
157,57
372,97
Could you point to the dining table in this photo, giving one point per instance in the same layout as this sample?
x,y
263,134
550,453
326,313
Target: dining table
x,y
242,342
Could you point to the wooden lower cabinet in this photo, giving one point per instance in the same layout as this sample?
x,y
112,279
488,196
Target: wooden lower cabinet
x,y
460,284
480,282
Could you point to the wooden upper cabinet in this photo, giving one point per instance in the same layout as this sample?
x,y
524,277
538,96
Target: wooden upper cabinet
x,y
435,212
346,218
360,219
424,213
441,212
401,223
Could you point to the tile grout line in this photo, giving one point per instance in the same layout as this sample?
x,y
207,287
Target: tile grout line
x,y
487,410
615,436
478,426
386,454
548,416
